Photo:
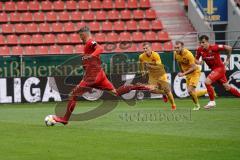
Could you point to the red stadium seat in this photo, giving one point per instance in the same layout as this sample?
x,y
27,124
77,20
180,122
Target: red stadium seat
x,y
119,26
88,16
20,28
30,50
17,50
32,28
15,17
57,27
150,14
42,50
27,17
75,38
25,39
120,4
34,6
39,17
69,27
137,37
83,5
144,25
113,15
4,50
7,28
37,39
55,49
107,26
157,25
157,46
168,46
67,49
51,17
107,4
2,40
101,15
126,15
112,37
46,5
3,17
96,5
49,39
44,28
80,25
138,14
94,26
100,37
163,36
131,25
125,37
131,47
64,16
79,48
150,36
145,4
76,16
1,6
10,6
58,5
22,6
62,38
132,4
71,5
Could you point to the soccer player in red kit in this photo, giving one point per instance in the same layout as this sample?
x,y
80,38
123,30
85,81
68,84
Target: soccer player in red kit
x,y
210,54
94,76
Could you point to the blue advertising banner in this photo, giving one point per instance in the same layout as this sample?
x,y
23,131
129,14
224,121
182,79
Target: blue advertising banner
x,y
216,10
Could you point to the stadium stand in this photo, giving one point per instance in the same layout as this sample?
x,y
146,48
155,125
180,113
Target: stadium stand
x,y
49,26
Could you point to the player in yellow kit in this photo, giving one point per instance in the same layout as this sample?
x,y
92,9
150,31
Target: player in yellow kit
x,y
150,63
188,68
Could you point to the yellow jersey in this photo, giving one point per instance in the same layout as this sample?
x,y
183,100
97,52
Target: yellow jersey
x,y
185,60
156,73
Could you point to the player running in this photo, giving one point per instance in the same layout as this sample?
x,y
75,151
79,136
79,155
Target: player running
x,y
210,54
150,62
188,68
94,76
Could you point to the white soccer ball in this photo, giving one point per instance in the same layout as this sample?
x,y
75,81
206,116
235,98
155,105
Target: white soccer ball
x,y
49,121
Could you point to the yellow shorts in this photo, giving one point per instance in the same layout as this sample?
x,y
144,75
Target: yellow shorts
x,y
193,79
155,81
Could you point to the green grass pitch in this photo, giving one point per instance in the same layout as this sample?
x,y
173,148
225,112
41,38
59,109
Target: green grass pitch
x,y
147,131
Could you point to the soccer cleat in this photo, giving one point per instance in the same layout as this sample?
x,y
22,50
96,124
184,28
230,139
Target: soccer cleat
x,y
197,107
210,105
173,107
60,120
165,98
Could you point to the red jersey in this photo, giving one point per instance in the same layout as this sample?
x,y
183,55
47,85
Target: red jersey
x,y
92,66
211,55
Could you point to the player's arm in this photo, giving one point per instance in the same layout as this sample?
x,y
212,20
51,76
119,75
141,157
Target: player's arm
x,y
228,50
98,50
192,68
180,67
197,58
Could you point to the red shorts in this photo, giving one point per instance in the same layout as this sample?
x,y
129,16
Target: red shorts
x,y
99,82
218,74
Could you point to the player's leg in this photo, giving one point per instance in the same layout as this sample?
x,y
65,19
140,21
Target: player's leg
x,y
215,75
192,81
77,91
202,92
163,85
228,87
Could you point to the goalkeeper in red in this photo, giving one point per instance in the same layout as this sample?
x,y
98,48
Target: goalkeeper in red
x,y
94,76
211,56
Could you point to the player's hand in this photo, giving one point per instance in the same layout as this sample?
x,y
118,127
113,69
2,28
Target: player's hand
x,y
199,62
226,63
180,74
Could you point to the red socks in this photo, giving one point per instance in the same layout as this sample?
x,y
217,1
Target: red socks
x,y
125,89
234,91
210,92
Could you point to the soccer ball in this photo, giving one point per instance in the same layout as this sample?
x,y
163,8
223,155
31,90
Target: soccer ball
x,y
49,121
